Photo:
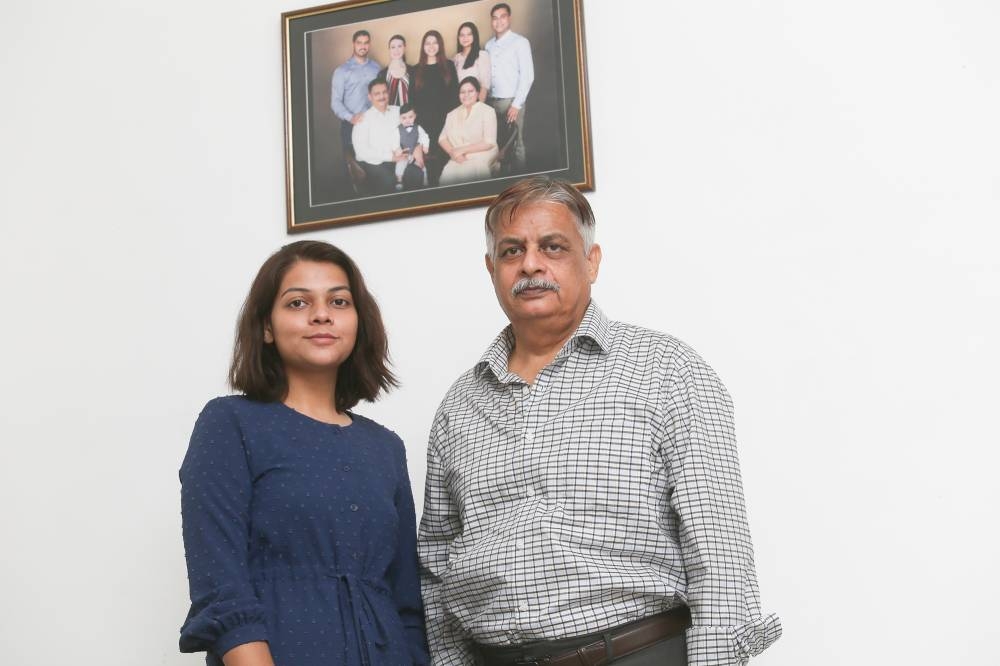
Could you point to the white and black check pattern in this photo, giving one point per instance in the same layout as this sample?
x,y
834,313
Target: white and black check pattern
x,y
606,492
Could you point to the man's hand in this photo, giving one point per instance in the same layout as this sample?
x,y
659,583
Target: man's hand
x,y
357,118
512,114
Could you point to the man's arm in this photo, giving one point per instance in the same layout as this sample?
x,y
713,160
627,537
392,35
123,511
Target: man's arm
x,y
439,525
337,96
698,445
525,73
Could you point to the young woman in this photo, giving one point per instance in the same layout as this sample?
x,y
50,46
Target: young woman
x,y
397,74
434,90
469,137
299,527
471,60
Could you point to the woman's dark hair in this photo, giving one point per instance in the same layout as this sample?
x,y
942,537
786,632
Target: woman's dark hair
x,y
472,81
470,59
442,61
258,371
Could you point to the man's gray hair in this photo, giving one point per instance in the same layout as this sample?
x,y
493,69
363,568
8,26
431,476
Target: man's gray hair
x,y
540,189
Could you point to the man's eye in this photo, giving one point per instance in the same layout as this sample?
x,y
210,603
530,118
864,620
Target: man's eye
x,y
553,247
510,252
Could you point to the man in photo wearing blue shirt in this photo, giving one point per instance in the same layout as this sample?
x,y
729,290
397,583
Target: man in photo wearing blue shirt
x,y
349,95
512,76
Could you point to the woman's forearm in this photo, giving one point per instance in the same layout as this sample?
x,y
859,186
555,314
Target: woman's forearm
x,y
478,147
257,653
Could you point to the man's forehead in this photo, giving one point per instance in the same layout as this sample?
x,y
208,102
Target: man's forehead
x,y
544,217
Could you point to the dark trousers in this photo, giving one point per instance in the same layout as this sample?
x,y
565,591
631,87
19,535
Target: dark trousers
x,y
381,178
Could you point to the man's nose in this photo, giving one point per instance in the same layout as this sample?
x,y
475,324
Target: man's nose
x,y
533,261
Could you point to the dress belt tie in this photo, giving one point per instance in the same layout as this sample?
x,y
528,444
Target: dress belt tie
x,y
368,626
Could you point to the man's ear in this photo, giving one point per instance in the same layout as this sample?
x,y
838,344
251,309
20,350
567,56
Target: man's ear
x,y
594,262
489,264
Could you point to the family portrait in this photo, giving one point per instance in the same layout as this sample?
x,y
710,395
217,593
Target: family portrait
x,y
397,108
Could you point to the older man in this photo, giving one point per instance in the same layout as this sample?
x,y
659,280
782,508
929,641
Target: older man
x,y
583,501
376,145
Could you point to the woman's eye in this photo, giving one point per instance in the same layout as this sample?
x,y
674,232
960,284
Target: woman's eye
x,y
341,302
296,303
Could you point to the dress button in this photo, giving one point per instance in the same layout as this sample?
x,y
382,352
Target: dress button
x,y
354,507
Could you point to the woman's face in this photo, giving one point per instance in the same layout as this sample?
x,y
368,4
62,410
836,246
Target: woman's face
x,y
314,323
431,46
465,37
397,48
467,94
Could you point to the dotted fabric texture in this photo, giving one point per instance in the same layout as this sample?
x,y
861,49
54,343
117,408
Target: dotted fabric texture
x,y
301,534
607,491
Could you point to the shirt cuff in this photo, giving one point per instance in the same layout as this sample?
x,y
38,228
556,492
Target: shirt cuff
x,y
247,633
731,646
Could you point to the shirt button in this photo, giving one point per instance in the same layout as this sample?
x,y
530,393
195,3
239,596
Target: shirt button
x,y
530,492
354,507
523,606
519,544
529,437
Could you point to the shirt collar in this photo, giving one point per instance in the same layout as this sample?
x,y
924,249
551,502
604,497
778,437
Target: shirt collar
x,y
594,327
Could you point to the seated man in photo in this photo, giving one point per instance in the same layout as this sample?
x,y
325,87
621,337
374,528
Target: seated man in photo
x,y
376,145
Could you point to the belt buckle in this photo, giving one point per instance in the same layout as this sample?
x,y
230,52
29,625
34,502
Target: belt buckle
x,y
532,661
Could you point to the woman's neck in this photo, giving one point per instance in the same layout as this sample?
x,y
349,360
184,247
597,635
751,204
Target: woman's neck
x,y
432,60
316,397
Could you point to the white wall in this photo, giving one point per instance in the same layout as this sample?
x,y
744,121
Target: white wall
x,y
817,213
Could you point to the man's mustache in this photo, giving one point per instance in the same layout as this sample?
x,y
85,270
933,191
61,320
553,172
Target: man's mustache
x,y
533,283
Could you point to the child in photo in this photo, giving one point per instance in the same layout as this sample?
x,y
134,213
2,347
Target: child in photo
x,y
413,143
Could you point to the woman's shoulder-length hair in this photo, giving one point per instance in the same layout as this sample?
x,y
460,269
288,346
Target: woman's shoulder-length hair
x,y
257,369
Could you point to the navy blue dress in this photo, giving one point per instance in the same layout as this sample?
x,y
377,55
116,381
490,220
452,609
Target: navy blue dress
x,y
301,534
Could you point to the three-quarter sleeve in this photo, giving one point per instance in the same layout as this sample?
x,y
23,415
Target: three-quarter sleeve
x,y
699,446
216,492
404,574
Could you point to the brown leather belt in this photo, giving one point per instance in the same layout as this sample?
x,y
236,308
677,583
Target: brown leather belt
x,y
612,644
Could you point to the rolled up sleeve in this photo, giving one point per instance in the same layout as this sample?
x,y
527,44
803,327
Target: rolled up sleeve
x,y
216,491
699,445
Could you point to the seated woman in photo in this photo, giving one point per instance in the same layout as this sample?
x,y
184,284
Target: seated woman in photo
x,y
469,137
298,521
471,60
397,74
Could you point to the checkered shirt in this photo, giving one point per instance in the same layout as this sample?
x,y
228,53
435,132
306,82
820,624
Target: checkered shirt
x,y
607,491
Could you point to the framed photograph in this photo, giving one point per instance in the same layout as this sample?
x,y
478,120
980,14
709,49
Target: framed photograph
x,y
403,107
